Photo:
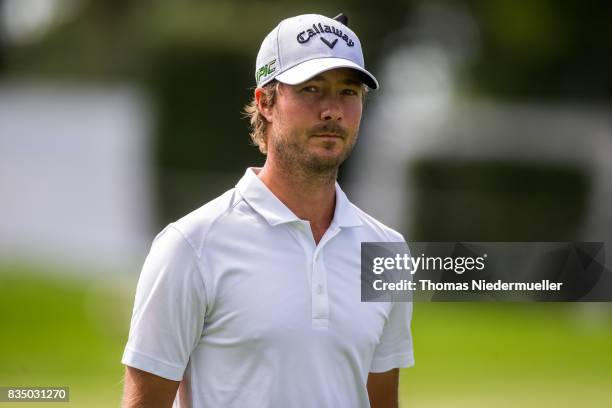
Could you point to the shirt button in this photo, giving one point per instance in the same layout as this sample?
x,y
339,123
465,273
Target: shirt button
x,y
319,289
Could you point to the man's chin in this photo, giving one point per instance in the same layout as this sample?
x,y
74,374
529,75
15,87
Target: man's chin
x,y
321,163
315,158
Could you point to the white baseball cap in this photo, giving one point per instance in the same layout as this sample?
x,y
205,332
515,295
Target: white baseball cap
x,y
301,47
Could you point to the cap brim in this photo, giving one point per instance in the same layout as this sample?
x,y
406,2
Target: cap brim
x,y
308,69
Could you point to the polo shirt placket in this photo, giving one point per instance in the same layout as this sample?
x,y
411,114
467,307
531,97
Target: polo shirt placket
x,y
316,270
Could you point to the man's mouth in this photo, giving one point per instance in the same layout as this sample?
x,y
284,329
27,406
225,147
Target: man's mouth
x,y
328,135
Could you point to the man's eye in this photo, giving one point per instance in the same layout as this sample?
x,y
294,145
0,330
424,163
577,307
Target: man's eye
x,y
350,92
310,89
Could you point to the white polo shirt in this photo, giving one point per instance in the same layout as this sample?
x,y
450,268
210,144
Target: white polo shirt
x,y
238,302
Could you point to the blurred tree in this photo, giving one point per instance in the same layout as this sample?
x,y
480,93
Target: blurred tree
x,y
544,49
196,57
458,200
2,38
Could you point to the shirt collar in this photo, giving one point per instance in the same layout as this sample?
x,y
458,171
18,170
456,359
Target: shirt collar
x,y
345,214
262,200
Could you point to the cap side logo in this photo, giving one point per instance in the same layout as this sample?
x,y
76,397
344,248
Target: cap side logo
x,y
318,29
265,70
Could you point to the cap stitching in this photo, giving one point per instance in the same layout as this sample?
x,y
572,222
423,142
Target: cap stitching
x,y
324,57
363,70
278,49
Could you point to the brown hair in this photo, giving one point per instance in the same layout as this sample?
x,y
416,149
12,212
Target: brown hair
x,y
257,121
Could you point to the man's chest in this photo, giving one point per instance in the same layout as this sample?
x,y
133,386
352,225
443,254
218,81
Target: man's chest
x,y
286,295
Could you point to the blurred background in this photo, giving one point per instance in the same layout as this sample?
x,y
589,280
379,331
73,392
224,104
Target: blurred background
x,y
493,123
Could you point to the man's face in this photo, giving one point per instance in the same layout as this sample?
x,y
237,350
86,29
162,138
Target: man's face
x,y
315,124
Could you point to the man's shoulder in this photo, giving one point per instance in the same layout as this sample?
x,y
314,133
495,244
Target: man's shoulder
x,y
197,224
383,232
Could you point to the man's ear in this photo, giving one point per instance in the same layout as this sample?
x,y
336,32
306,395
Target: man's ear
x,y
262,105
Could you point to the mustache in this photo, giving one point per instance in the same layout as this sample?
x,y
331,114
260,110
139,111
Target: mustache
x,y
329,128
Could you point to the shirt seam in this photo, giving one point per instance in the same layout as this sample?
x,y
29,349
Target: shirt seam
x,y
200,271
213,224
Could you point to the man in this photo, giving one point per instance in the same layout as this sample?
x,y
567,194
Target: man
x,y
253,300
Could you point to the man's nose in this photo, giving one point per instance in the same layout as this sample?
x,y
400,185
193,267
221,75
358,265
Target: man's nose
x,y
331,110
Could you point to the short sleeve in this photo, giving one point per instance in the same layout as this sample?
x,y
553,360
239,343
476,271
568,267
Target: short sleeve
x,y
395,348
169,308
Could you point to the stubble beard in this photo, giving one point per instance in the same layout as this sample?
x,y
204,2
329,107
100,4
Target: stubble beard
x,y
295,159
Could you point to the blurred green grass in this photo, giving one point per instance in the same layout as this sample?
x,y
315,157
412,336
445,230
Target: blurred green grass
x,y
64,330
70,330
510,355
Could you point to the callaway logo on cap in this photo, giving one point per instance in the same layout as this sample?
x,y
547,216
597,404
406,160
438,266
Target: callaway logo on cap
x,y
304,46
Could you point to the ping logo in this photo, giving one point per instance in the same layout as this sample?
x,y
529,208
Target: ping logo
x,y
265,70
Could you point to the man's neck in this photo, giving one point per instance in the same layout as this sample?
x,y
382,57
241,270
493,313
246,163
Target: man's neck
x,y
310,197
